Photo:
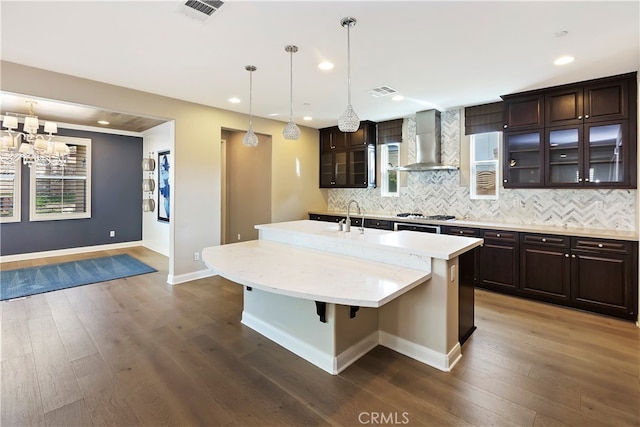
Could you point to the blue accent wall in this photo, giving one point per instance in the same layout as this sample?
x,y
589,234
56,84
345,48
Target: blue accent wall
x,y
116,202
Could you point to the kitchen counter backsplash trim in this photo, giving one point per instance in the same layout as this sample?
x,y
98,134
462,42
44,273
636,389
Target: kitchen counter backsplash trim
x,y
627,235
439,192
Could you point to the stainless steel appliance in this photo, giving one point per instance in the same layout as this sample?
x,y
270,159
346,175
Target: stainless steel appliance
x,y
423,228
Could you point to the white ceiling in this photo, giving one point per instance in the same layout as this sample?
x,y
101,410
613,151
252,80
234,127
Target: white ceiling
x,y
436,54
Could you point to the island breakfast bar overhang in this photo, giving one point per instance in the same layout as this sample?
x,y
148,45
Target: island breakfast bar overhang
x,y
330,296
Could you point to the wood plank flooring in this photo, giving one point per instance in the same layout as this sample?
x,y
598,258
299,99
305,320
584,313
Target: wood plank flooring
x,y
137,351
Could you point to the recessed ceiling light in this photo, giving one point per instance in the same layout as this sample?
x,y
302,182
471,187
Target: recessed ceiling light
x,y
397,98
564,60
234,100
307,118
325,65
103,122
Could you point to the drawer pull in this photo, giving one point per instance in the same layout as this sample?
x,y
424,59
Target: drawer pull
x,y
600,245
544,240
498,235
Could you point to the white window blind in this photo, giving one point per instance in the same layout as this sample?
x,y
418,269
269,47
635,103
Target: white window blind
x,y
10,192
63,192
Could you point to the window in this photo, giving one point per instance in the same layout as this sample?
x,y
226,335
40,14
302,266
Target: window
x,y
10,191
63,192
390,159
484,165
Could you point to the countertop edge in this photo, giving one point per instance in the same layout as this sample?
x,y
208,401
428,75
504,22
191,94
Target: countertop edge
x,y
599,233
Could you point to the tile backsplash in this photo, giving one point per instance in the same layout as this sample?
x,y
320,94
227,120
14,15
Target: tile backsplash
x,y
439,192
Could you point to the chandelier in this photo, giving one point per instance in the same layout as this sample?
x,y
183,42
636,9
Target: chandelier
x,y
29,145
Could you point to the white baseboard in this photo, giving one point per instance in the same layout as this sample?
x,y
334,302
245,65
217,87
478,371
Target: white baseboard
x,y
323,360
355,352
195,275
70,251
441,361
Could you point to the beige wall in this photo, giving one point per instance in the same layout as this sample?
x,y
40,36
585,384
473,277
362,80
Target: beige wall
x,y
248,185
197,155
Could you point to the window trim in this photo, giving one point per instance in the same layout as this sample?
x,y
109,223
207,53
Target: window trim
x,y
384,171
474,163
17,190
33,216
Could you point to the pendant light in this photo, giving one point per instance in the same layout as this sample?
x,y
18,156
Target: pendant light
x,y
291,130
250,139
349,120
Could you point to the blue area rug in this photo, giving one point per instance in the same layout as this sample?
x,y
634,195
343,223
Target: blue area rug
x,y
36,280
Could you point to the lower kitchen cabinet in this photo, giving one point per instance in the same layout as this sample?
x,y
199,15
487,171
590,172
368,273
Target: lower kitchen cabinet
x,y
603,277
545,267
467,280
499,261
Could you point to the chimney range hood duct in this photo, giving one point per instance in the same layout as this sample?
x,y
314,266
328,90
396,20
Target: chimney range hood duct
x,y
428,145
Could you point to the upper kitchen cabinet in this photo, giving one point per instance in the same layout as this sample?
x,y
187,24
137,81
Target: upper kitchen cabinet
x,y
348,160
523,111
331,139
588,138
577,104
364,136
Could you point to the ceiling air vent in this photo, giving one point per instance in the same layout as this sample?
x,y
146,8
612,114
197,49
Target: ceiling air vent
x,y
199,9
382,91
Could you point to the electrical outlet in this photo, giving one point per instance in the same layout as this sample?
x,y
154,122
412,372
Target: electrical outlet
x,y
196,256
599,205
238,236
452,273
112,233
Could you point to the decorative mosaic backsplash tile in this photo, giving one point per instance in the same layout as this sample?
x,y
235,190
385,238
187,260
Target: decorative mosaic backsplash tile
x,y
438,192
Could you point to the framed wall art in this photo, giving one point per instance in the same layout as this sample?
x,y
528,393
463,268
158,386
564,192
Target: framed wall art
x,y
164,187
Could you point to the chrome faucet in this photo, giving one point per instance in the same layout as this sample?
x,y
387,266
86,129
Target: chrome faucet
x,y
347,224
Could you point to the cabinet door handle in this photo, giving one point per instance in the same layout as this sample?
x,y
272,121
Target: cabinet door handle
x,y
504,180
566,255
505,126
579,179
586,116
579,117
573,256
586,180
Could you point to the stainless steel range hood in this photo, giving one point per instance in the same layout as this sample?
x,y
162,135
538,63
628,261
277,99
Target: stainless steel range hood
x,y
428,145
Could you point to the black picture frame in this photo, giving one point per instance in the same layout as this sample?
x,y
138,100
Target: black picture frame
x,y
164,186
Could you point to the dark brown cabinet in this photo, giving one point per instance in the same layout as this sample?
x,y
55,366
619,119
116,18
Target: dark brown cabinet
x,y
523,111
347,160
585,136
603,275
467,281
607,100
523,159
545,267
591,155
499,261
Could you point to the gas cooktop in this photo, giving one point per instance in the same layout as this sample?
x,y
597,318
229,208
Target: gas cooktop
x,y
410,215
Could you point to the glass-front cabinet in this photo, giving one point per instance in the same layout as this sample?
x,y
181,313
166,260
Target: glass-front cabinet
x,y
523,159
590,155
605,153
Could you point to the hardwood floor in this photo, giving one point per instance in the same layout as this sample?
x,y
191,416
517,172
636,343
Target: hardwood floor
x,y
137,351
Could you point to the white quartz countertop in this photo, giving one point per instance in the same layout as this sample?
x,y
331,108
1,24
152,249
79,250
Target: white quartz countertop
x,y
600,233
312,274
326,236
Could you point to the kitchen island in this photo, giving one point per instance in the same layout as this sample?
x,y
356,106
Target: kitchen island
x,y
331,296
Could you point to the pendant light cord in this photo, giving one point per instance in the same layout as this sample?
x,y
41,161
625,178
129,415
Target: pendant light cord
x,y
349,64
291,84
